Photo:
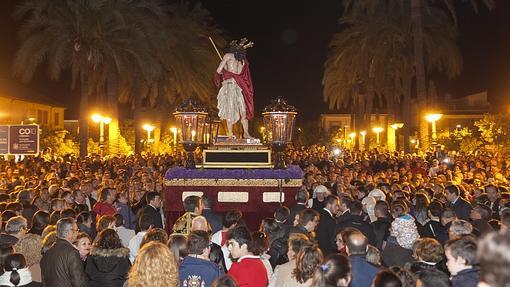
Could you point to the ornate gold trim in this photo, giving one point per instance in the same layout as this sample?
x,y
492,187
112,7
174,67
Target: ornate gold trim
x,y
231,182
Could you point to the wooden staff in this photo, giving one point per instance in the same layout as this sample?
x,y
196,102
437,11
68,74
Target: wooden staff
x,y
218,52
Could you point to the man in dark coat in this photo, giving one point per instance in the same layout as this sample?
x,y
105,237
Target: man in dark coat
x,y
61,265
362,271
381,226
301,199
152,208
461,207
307,222
213,218
357,220
325,229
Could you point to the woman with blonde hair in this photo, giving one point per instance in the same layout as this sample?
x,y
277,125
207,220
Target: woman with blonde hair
x,y
30,246
154,266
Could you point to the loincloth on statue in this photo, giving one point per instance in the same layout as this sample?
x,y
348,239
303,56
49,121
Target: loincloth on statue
x,y
231,104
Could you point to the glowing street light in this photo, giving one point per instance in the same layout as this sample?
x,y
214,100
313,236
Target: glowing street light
x,y
377,131
101,120
148,128
174,132
397,126
433,118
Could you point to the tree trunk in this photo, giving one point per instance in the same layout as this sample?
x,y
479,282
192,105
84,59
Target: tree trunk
x,y
84,117
137,116
419,65
406,113
113,112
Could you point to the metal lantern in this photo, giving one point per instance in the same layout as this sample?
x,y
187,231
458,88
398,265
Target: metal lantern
x,y
279,119
192,116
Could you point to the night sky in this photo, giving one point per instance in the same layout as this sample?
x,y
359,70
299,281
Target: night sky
x,y
291,43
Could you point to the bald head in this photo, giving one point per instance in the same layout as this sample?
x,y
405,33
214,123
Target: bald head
x,y
200,223
357,243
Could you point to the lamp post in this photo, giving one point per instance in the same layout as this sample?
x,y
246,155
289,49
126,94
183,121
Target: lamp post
x,y
396,126
279,118
174,132
377,131
149,128
433,118
102,120
352,136
192,117
363,134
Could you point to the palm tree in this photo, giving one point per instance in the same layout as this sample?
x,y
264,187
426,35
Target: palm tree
x,y
97,40
373,57
188,61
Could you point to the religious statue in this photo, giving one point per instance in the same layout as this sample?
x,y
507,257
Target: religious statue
x,y
235,98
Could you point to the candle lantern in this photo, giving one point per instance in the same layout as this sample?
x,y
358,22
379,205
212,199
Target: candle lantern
x,y
192,116
279,119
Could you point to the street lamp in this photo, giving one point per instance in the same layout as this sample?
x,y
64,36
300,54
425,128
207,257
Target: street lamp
x,y
279,118
396,126
377,131
192,117
363,134
433,118
174,132
102,120
148,128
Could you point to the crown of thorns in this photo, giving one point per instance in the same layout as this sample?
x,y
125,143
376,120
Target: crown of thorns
x,y
241,44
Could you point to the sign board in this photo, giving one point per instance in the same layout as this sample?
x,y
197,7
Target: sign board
x,y
19,139
4,139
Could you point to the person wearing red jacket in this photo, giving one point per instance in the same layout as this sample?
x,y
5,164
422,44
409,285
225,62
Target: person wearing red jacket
x,y
105,205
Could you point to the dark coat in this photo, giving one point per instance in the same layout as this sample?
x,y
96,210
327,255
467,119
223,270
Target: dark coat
x,y
481,227
462,208
108,267
154,214
61,266
362,271
466,278
326,233
395,255
214,219
434,229
278,249
358,222
217,257
381,228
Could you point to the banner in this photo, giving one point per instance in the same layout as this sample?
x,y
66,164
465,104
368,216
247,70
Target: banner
x,y
19,139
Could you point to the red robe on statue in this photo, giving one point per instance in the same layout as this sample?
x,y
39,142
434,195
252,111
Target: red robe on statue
x,y
244,82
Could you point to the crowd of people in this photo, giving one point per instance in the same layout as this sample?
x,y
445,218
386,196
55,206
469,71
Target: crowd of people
x,y
359,219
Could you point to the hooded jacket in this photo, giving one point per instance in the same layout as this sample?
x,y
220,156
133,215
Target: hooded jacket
x,y
107,267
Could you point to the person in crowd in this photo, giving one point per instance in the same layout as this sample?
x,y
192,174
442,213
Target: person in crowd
x,y
155,234
407,278
429,254
373,255
61,264
15,229
459,228
85,223
362,271
480,216
108,263
403,234
433,228
386,278
84,244
124,233
334,271
40,220
105,222
200,223
196,269
260,245
493,250
154,266
213,218
283,272
152,209
433,278
145,224
16,272
462,261
193,208
277,239
178,244
308,259
308,219
48,241
302,197
356,219
326,234
231,219
30,246
320,192
128,216
460,206
381,226
105,205
249,269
